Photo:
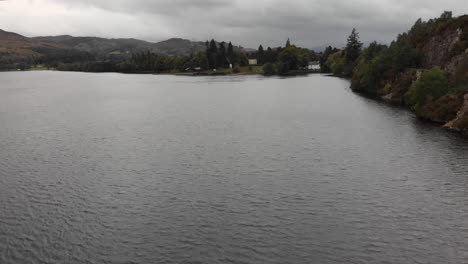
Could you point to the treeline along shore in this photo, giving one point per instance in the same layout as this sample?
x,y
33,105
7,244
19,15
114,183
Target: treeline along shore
x,y
177,56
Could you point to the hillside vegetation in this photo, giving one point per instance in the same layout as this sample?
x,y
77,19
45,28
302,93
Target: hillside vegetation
x,y
425,69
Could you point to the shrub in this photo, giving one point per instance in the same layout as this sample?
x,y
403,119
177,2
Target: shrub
x,y
388,88
295,58
282,68
461,74
379,62
269,69
441,110
432,84
337,62
236,69
367,74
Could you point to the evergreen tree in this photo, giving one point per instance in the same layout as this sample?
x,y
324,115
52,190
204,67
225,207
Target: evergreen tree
x,y
222,54
269,56
446,15
213,46
292,59
260,55
202,61
323,59
212,54
353,47
418,32
208,52
230,53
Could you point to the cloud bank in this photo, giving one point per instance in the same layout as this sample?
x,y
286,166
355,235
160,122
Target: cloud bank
x,y
309,23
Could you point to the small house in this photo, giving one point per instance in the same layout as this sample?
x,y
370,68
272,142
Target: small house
x,y
253,62
313,65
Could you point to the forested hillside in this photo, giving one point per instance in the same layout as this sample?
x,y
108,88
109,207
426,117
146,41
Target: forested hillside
x,y
425,69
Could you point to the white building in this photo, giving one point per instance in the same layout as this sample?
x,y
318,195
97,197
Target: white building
x,y
313,65
253,62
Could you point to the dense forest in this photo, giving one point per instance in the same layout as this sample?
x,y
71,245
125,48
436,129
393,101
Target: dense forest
x,y
218,58
217,55
289,60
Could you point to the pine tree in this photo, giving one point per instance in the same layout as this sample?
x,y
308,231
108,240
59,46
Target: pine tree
x,y
446,15
323,59
353,47
208,52
222,54
269,56
260,55
213,54
230,53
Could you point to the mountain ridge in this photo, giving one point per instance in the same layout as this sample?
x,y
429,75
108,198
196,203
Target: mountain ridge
x,y
14,43
10,35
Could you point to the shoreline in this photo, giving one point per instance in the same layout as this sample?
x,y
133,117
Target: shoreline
x,y
441,124
192,74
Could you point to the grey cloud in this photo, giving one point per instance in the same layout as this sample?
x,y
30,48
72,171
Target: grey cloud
x,y
159,7
309,23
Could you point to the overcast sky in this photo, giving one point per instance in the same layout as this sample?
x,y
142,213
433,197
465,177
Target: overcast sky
x,y
309,23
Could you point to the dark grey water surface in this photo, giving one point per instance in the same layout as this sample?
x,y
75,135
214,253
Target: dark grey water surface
x,y
111,168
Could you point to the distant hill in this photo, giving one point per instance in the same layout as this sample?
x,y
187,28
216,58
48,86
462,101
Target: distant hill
x,y
178,46
103,46
98,46
5,35
16,44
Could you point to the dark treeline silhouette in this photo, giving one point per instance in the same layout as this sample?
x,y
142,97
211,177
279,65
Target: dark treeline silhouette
x,y
287,60
220,56
216,56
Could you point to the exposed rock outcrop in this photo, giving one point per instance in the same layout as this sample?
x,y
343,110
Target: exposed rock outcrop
x,y
454,64
441,110
460,123
393,91
438,49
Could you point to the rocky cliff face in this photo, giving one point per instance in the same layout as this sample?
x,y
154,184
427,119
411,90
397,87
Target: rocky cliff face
x,y
438,50
404,72
441,51
460,122
394,90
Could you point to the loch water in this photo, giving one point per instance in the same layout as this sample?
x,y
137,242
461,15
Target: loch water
x,y
114,168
